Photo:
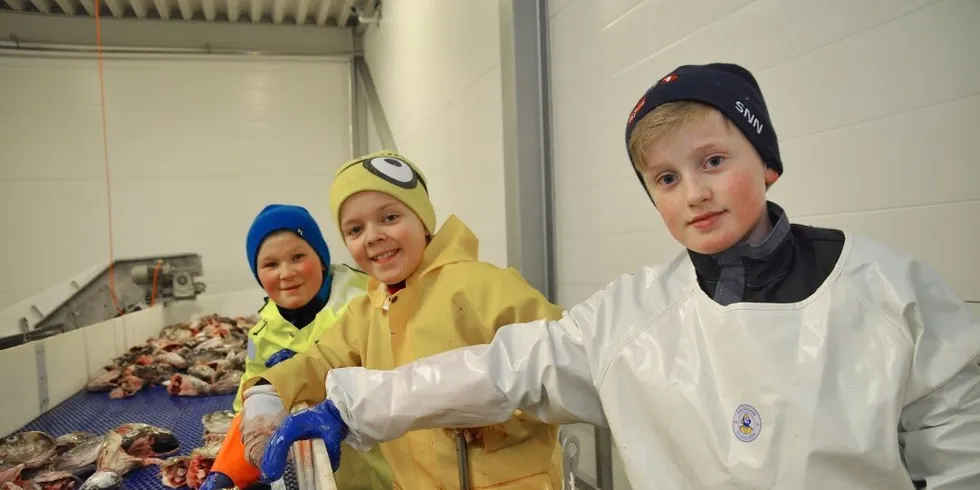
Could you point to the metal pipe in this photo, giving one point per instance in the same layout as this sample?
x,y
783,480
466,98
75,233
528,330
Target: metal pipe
x,y
71,50
463,456
374,104
352,105
603,459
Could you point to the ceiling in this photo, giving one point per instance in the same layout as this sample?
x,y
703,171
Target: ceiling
x,y
332,13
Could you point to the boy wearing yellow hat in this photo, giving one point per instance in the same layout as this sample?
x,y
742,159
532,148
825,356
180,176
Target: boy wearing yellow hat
x,y
428,293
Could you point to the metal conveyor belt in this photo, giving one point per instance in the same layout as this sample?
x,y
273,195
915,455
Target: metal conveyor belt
x,y
96,412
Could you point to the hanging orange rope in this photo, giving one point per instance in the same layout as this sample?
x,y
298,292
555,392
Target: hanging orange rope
x,y
156,274
105,148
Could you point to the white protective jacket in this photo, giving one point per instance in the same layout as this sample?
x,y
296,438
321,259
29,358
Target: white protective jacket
x,y
871,382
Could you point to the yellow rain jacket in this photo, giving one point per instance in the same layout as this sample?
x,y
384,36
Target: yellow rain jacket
x,y
452,300
368,471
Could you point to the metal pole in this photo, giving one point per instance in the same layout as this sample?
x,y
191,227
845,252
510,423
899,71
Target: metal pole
x,y
9,48
603,459
374,102
463,457
527,142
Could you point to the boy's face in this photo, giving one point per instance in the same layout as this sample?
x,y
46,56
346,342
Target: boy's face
x,y
289,269
384,236
709,183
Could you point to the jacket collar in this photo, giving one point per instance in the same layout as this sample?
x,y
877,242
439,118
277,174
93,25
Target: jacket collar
x,y
727,275
454,242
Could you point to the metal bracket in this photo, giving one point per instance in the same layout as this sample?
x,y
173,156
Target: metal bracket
x,y
570,450
42,375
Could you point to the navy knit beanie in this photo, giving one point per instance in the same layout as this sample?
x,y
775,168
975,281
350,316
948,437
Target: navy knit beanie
x,y
727,87
277,217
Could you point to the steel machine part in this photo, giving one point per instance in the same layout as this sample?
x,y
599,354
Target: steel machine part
x,y
93,296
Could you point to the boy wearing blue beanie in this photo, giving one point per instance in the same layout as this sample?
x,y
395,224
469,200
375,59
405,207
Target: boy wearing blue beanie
x,y
306,295
767,355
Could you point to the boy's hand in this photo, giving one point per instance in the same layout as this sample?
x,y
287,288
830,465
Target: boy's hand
x,y
278,357
262,412
321,421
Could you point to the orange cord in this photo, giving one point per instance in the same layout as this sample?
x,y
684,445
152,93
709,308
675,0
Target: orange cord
x,y
156,273
105,147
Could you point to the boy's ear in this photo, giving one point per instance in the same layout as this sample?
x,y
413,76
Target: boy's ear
x,y
771,177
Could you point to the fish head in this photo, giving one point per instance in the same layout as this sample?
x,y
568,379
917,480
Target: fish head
x,y
57,480
173,471
102,480
32,448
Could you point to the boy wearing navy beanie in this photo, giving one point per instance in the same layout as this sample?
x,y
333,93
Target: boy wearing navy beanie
x,y
766,355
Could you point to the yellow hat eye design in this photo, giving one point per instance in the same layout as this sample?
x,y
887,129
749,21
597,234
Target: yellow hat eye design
x,y
385,172
394,171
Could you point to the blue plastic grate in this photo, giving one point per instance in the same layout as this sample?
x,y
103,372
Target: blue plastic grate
x,y
96,412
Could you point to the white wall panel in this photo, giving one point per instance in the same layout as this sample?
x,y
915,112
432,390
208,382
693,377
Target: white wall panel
x,y
196,148
436,67
874,103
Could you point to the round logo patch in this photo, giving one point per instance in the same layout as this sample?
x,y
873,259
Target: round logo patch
x,y
747,423
393,170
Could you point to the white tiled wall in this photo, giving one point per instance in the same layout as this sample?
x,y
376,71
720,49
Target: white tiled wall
x,y
436,66
873,101
196,149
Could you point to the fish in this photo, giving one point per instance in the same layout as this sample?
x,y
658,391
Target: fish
x,y
178,333
127,387
147,441
80,460
201,371
68,441
172,359
154,374
206,349
202,459
206,356
227,384
187,385
105,381
102,480
10,473
173,471
212,437
32,449
57,480
113,458
218,422
214,343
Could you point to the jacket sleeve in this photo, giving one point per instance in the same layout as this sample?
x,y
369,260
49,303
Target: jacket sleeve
x,y
301,378
542,367
940,423
254,366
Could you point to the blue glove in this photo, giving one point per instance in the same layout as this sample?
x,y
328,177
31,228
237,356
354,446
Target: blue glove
x,y
279,357
321,421
217,481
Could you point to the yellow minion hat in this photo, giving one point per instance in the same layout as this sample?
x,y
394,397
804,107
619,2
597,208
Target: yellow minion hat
x,y
388,172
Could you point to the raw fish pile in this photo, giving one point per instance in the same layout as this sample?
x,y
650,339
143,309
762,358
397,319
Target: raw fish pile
x,y
206,357
81,460
87,461
190,471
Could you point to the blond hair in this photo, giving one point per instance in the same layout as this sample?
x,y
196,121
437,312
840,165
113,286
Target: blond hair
x,y
665,120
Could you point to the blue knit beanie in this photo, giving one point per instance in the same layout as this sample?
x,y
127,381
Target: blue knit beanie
x,y
277,217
